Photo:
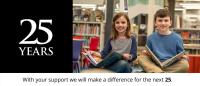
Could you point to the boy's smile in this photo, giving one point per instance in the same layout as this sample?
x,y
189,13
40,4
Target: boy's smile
x,y
163,24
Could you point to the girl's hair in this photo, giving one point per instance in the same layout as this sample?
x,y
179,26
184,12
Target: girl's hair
x,y
162,13
114,33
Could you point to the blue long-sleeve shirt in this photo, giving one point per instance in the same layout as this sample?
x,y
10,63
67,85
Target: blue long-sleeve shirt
x,y
108,48
165,46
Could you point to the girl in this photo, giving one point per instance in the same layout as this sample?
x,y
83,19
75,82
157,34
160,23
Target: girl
x,y
121,42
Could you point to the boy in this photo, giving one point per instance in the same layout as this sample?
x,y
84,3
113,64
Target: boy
x,y
164,44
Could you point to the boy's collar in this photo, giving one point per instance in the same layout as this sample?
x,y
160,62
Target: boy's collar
x,y
167,33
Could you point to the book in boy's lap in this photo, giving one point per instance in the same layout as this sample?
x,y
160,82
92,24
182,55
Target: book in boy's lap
x,y
107,61
166,63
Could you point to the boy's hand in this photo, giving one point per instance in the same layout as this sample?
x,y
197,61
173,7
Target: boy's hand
x,y
145,52
184,57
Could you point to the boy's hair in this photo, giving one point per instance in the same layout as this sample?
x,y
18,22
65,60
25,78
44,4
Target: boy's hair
x,y
114,33
162,13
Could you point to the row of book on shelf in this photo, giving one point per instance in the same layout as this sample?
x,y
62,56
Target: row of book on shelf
x,y
91,42
86,29
192,51
190,36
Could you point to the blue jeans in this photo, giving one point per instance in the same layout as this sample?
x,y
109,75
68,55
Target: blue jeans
x,y
120,66
114,62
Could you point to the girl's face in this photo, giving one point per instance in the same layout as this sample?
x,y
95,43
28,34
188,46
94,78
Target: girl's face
x,y
121,24
163,24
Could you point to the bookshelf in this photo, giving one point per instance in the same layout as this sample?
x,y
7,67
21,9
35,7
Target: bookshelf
x,y
87,30
191,39
89,21
187,24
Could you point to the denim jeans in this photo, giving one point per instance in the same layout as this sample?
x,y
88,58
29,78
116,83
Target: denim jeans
x,y
120,66
115,63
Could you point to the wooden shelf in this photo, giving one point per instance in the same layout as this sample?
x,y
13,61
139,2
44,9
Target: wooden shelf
x,y
192,39
192,46
85,34
192,29
87,22
191,55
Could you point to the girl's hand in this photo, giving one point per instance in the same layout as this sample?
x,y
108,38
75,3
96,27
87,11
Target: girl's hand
x,y
95,54
126,56
98,59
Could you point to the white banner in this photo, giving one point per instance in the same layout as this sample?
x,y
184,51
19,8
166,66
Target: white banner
x,y
99,79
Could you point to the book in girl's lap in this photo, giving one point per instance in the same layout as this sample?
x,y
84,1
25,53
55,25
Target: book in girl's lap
x,y
96,61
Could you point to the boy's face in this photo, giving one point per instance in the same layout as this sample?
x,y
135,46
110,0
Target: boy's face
x,y
163,24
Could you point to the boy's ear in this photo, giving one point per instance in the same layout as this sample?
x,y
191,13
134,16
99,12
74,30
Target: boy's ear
x,y
170,22
155,24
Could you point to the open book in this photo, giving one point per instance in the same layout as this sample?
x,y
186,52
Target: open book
x,y
167,62
90,57
107,61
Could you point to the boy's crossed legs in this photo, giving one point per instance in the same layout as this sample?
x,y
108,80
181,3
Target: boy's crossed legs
x,y
149,66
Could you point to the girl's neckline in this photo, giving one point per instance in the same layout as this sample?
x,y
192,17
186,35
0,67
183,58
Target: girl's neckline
x,y
121,37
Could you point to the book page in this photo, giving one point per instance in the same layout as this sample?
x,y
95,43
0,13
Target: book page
x,y
167,62
172,60
154,57
90,57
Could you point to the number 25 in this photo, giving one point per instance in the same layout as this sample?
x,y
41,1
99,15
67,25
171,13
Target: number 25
x,y
33,28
